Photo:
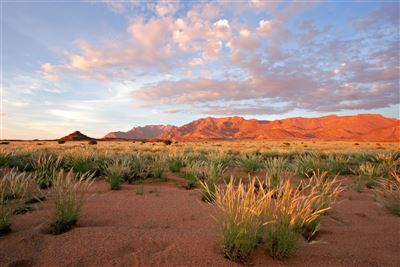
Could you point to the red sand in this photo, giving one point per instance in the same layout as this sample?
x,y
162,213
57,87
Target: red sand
x,y
170,226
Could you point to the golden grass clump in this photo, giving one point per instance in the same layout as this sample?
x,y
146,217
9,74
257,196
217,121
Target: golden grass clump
x,y
242,208
326,190
115,172
69,192
46,169
276,216
14,184
369,173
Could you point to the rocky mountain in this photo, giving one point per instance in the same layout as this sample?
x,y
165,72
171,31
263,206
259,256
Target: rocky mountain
x,y
76,136
145,132
367,127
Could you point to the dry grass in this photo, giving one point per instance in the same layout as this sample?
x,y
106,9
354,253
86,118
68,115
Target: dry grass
x,y
14,184
115,172
242,208
46,169
69,192
387,193
250,214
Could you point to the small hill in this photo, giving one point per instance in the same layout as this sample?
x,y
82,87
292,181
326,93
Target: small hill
x,y
76,136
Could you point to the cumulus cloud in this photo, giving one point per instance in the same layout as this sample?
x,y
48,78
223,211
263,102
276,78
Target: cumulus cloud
x,y
302,66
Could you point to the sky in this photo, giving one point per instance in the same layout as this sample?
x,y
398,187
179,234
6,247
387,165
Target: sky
x,y
102,66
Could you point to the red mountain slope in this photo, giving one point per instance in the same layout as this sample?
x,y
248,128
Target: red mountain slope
x,y
359,127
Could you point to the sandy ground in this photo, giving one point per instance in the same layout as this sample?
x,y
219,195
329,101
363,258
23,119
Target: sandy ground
x,y
169,226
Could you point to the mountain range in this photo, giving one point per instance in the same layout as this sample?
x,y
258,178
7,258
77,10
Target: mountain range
x,y
362,127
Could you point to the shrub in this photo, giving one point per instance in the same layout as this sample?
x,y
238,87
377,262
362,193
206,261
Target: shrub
x,y
46,169
387,193
116,172
92,142
241,221
61,142
167,142
69,193
250,163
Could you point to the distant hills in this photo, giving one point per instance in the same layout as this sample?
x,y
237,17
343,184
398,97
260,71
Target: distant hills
x,y
363,127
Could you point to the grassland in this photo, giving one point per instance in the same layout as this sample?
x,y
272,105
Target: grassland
x,y
214,203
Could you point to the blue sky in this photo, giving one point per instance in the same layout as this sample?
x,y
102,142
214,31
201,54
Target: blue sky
x,y
101,66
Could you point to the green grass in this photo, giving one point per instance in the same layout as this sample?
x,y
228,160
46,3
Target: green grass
x,y
281,241
116,172
175,163
250,163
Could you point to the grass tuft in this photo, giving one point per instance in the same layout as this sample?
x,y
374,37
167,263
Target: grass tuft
x,y
46,169
69,193
387,193
116,171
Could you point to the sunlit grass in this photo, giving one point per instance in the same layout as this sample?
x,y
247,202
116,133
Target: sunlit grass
x,y
69,192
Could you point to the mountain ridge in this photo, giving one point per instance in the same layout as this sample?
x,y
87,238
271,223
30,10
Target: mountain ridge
x,y
361,127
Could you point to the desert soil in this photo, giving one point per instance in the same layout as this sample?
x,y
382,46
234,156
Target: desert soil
x,y
169,226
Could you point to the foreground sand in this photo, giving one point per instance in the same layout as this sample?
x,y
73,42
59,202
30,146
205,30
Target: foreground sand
x,y
169,226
